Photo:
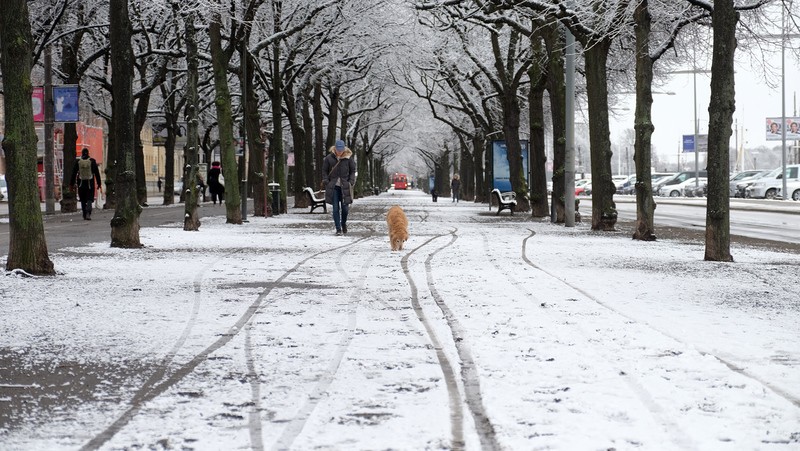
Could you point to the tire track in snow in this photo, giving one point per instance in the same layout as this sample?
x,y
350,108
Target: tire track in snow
x,y
456,412
670,427
161,369
254,414
296,425
469,373
727,361
187,368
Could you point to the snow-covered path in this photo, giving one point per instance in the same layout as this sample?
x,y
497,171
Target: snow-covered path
x,y
486,332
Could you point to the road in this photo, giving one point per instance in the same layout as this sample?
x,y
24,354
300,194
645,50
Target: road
x,y
69,229
761,219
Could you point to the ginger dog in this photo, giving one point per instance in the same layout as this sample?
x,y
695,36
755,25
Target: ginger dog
x,y
398,227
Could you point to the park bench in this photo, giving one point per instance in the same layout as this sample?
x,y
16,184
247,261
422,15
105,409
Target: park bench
x,y
505,201
315,201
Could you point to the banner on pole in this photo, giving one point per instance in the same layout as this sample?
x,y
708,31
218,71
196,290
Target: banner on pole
x,y
37,99
65,99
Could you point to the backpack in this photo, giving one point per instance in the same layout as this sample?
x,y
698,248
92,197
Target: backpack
x,y
85,169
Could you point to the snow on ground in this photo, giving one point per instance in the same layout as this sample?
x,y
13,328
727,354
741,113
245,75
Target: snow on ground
x,y
485,332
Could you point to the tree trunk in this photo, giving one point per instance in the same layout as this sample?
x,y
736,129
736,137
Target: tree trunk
x,y
69,67
556,89
171,116
279,160
319,134
125,224
467,172
111,167
140,118
191,219
478,157
308,145
645,205
69,198
222,101
298,141
720,114
538,156
333,119
27,246
511,121
604,210
256,166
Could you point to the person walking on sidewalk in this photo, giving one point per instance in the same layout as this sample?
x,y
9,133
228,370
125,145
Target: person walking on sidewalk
x,y
455,185
339,176
86,176
215,184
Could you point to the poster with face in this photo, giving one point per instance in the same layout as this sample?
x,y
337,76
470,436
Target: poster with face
x,y
777,125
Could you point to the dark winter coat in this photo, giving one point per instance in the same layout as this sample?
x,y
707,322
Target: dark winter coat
x,y
455,185
86,186
344,173
213,181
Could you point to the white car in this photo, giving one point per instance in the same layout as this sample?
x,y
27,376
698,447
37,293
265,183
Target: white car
x,y
3,188
677,189
767,187
619,181
793,188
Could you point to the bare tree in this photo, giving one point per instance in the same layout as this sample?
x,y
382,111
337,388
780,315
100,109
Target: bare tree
x,y
125,223
27,246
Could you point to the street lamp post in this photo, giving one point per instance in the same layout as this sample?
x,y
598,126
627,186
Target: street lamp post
x,y
783,101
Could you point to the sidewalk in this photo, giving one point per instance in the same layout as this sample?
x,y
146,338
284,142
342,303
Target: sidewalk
x,y
485,332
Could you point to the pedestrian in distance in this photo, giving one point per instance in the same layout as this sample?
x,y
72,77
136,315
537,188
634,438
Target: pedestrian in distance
x,y
86,176
158,184
455,186
215,183
434,195
338,177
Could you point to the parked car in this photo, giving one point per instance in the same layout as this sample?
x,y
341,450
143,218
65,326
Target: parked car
x,y
626,185
793,188
619,181
740,181
3,188
580,186
767,187
677,189
700,190
676,179
177,187
660,175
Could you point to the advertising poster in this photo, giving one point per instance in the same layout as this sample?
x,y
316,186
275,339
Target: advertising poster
x,y
65,99
37,98
688,143
501,174
775,128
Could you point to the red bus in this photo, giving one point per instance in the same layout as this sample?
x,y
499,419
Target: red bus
x,y
400,181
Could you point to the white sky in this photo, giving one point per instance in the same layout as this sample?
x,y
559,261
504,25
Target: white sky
x,y
758,96
276,334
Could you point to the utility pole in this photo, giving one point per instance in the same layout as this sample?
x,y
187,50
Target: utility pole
x,y
569,157
49,151
244,131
